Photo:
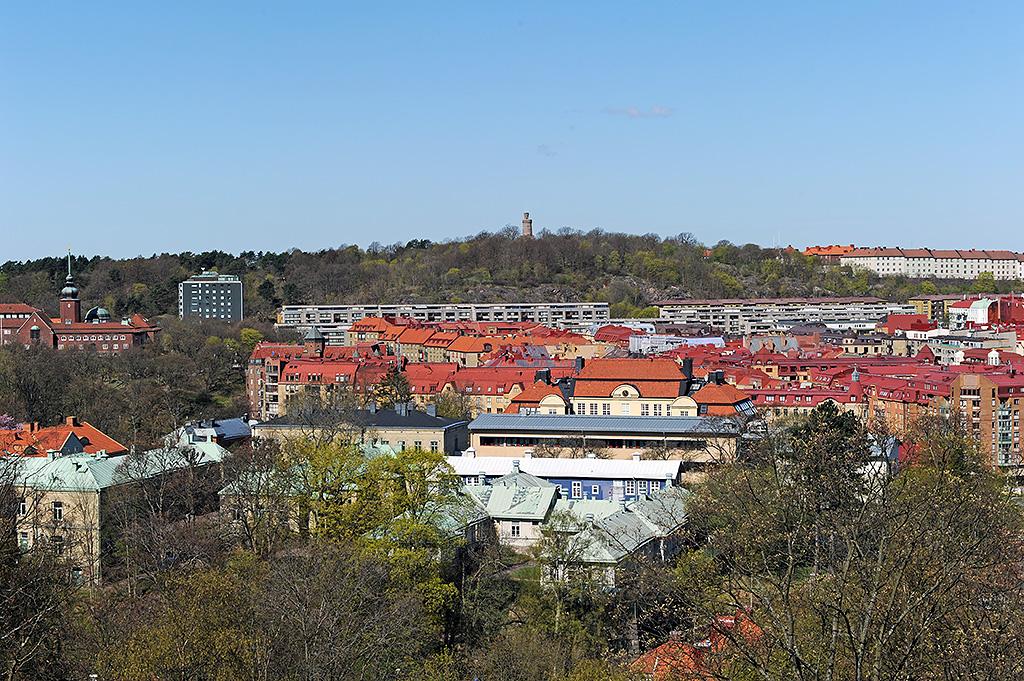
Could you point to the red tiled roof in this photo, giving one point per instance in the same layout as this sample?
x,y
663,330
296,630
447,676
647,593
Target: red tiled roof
x,y
532,396
473,344
629,370
49,438
720,395
414,336
17,308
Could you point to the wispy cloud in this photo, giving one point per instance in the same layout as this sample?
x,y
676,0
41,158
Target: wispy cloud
x,y
545,150
656,111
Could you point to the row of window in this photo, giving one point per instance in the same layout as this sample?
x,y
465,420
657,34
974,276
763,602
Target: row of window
x,y
57,507
93,337
417,444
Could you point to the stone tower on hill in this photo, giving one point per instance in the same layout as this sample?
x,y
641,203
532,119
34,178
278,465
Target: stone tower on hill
x,y
527,226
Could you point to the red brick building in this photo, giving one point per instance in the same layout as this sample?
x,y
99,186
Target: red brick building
x,y
96,330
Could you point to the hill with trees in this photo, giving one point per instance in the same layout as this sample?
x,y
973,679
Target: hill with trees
x,y
628,271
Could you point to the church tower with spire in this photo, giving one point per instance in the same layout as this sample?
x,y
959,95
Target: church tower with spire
x,y
70,305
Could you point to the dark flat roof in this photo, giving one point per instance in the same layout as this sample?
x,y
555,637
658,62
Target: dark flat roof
x,y
382,418
622,425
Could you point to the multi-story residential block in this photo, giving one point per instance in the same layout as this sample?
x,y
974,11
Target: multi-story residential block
x,y
632,387
740,316
990,405
936,306
334,320
211,296
923,263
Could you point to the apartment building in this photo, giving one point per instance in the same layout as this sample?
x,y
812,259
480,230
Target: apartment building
x,y
990,407
739,316
209,295
936,306
923,263
333,320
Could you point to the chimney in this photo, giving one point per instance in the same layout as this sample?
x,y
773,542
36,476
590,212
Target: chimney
x,y
431,410
72,421
373,407
469,453
33,427
636,456
527,226
589,518
528,453
579,364
543,375
591,455
515,466
483,478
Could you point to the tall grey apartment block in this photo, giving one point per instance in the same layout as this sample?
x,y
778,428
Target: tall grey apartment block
x,y
211,296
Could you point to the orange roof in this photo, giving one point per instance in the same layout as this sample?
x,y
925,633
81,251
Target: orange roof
x,y
828,250
440,339
473,344
629,370
266,350
371,324
662,389
719,394
654,377
37,441
532,396
17,308
414,336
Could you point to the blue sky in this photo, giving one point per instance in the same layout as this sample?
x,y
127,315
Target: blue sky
x,y
146,127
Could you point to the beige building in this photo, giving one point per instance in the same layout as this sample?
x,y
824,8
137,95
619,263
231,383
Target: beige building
x,y
400,428
66,503
699,441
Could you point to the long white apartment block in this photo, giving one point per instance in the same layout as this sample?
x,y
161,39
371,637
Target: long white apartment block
x,y
927,263
335,318
741,316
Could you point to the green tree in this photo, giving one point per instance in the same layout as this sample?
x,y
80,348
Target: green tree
x,y
393,389
984,283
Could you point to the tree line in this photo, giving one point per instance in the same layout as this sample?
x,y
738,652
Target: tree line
x,y
327,561
628,271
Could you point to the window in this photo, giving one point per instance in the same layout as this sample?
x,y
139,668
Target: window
x,y
595,490
22,506
631,487
577,489
514,530
593,408
58,511
606,409
417,444
433,445
657,410
401,445
57,542
23,543
641,487
645,410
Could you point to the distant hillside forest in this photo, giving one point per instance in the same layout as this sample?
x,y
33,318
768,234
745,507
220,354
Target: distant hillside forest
x,y
628,271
